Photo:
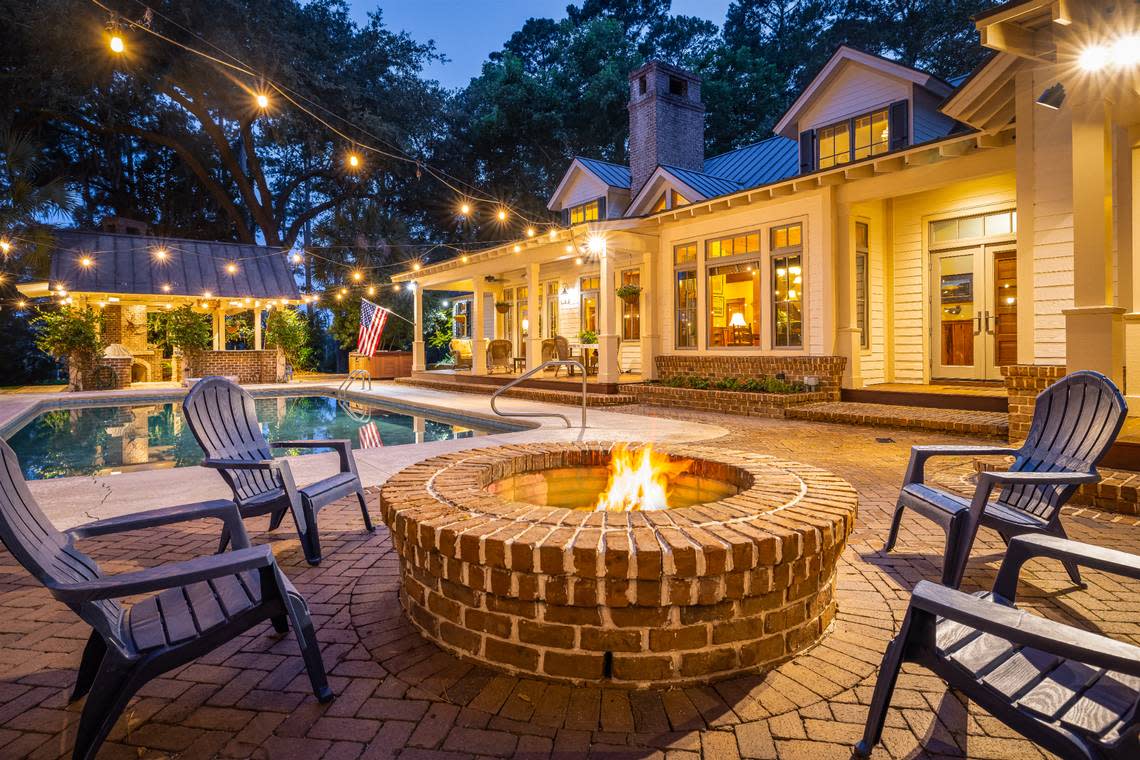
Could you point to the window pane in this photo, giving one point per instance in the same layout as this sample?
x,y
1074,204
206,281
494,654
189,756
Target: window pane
x,y
787,301
999,224
794,235
880,132
861,236
842,144
591,211
734,246
590,311
780,237
788,236
631,311
862,137
734,303
972,227
686,305
714,249
685,254
862,288
944,231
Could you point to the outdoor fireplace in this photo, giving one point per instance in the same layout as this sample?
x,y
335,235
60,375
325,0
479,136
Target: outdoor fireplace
x,y
505,559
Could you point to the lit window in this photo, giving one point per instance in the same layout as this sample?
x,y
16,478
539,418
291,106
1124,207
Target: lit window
x,y
685,254
586,212
631,310
734,305
737,245
589,303
552,293
460,327
787,286
834,145
872,134
862,283
686,300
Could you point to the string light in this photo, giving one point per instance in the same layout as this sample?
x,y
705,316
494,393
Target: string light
x,y
466,259
116,43
161,254
530,232
502,215
86,262
396,288
297,258
357,276
5,247
518,248
21,304
578,261
262,101
231,268
166,288
353,160
465,209
416,267
343,292
339,297
371,290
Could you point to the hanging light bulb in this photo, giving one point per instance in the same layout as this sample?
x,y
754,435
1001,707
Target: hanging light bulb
x,y
466,259
297,258
231,268
161,254
578,261
530,232
465,209
353,160
518,248
166,288
116,43
86,262
416,267
21,304
396,287
371,290
502,215
262,101
5,247
357,276
343,291
340,296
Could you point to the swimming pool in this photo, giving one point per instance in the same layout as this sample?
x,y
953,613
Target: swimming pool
x,y
107,440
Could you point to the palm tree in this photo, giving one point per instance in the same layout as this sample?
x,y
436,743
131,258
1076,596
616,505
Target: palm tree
x,y
27,201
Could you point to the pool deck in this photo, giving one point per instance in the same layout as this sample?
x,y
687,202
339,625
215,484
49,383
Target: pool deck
x,y
75,500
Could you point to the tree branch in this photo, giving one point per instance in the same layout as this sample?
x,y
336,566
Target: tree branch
x,y
315,211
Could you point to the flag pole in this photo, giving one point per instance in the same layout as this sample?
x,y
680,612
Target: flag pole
x,y
394,314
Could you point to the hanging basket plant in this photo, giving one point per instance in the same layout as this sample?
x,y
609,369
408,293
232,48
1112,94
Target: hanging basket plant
x,y
629,293
502,306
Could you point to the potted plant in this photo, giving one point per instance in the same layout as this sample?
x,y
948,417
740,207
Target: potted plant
x,y
629,293
502,306
588,338
74,334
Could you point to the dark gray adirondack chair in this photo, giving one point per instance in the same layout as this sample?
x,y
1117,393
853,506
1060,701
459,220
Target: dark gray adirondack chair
x,y
223,418
200,604
1075,693
1074,424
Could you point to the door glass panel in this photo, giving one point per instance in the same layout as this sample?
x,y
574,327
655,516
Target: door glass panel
x,y
956,310
1005,308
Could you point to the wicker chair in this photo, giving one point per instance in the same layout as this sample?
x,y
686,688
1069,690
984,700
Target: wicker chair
x,y
461,352
499,354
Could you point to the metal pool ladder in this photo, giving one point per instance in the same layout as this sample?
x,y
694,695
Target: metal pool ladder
x,y
362,374
535,371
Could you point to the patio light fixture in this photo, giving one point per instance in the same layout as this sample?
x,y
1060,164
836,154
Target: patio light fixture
x,y
1124,51
596,244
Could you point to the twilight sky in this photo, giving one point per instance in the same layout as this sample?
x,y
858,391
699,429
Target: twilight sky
x,y
467,30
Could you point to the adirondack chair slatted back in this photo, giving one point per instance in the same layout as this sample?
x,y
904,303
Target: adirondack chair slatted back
x,y
45,552
1074,423
223,418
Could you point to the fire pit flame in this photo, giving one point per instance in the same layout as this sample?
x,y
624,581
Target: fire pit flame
x,y
639,479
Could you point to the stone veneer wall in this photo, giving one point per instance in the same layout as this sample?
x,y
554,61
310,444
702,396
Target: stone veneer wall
x,y
829,369
1023,382
725,402
625,599
267,366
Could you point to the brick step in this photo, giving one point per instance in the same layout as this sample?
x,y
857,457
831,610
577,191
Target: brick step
x,y
530,394
965,421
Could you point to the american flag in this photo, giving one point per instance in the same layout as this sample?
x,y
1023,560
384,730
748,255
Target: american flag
x,y
370,436
372,320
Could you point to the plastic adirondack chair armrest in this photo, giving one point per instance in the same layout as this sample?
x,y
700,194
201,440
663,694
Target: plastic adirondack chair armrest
x,y
1027,546
222,509
343,447
166,576
240,464
915,472
1020,627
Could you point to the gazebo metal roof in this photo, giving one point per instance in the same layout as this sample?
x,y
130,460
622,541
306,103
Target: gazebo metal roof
x,y
131,265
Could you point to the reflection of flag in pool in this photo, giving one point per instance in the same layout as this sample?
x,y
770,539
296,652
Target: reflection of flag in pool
x,y
370,436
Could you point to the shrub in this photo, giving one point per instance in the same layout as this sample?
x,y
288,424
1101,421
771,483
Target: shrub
x,y
187,329
747,385
289,331
70,333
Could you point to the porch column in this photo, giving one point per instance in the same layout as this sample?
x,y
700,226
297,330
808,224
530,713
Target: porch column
x,y
418,361
534,315
848,336
478,344
650,297
1094,327
257,329
608,371
219,329
1128,245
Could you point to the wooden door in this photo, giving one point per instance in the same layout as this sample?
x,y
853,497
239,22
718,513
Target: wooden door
x,y
1003,327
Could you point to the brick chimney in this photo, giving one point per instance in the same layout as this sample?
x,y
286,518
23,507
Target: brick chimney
x,y
666,121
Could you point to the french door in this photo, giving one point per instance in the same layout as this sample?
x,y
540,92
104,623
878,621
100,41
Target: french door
x,y
975,311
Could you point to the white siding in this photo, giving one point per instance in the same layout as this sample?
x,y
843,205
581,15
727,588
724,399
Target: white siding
x,y
929,123
584,187
854,90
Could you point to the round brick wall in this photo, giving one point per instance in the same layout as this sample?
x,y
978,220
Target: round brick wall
x,y
631,599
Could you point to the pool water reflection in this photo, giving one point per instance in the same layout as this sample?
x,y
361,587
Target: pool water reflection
x,y
107,440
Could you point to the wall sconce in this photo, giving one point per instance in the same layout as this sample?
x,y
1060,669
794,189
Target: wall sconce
x,y
1053,97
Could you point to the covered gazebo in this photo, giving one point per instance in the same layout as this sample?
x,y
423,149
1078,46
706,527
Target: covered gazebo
x,y
130,275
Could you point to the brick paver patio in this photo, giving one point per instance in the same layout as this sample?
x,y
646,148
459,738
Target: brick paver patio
x,y
399,696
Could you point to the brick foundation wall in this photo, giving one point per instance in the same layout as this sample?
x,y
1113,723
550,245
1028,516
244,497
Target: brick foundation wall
x,y
1023,382
724,402
829,369
248,366
628,599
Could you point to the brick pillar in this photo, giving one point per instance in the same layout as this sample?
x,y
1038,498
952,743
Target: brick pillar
x,y
1023,383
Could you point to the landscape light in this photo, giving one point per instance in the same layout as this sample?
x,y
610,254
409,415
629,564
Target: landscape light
x,y
207,294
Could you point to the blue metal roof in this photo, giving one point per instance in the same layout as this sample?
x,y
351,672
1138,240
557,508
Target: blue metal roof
x,y
614,175
767,161
705,184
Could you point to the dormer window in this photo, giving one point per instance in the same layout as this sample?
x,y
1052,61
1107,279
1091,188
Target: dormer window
x,y
585,212
855,139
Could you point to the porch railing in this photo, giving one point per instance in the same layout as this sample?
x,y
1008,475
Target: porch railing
x,y
531,373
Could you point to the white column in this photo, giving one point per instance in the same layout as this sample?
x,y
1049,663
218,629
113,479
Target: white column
x,y
478,343
219,329
651,295
1094,327
608,371
534,314
257,329
418,361
1128,246
848,336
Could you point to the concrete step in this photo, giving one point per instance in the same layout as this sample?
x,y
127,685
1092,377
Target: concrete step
x,y
965,421
531,394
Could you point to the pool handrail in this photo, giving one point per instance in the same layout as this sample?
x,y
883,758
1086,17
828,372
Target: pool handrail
x,y
357,374
529,373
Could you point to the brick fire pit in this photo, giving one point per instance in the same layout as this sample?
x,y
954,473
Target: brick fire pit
x,y
627,598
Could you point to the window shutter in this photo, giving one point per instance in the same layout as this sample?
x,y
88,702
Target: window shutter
x,y
601,208
807,151
565,217
898,121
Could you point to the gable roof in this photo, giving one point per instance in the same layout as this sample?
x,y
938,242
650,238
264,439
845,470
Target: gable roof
x,y
845,55
705,184
767,161
614,175
126,264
